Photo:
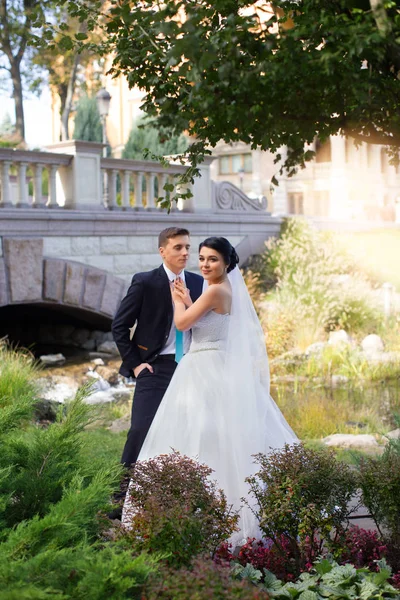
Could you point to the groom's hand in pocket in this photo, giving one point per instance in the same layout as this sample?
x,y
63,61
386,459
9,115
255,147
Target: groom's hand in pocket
x,y
141,367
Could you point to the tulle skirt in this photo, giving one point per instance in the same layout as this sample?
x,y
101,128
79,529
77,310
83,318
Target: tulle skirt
x,y
200,417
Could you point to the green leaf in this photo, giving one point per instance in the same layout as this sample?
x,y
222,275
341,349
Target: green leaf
x,y
66,43
308,595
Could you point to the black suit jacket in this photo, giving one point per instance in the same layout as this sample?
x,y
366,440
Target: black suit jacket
x,y
148,301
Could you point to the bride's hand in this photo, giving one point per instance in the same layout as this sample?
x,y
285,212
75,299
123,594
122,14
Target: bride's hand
x,y
181,293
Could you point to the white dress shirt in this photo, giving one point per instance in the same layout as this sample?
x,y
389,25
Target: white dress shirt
x,y
169,347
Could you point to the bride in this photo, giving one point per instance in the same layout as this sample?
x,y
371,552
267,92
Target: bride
x,y
217,407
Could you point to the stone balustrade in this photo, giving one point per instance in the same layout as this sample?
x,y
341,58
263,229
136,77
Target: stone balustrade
x,y
21,170
79,178
136,184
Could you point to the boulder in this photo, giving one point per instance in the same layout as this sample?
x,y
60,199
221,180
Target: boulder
x,y
97,335
52,359
316,348
109,348
339,337
337,380
80,336
89,345
372,344
394,434
98,362
350,440
109,374
46,410
122,424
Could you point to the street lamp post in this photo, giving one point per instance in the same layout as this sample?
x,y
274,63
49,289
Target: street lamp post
x,y
103,99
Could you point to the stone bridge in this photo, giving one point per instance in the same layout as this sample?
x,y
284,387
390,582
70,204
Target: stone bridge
x,y
75,227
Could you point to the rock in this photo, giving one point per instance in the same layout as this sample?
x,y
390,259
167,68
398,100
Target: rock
x,y
109,348
80,336
122,424
289,378
372,344
57,388
46,410
98,361
108,336
316,348
394,435
109,374
350,440
383,357
339,337
52,359
121,394
97,335
89,345
64,332
97,354
99,384
338,380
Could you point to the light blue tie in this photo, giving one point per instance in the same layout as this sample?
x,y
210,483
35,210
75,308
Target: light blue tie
x,y
178,345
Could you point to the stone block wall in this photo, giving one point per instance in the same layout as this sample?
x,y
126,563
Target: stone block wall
x,y
121,255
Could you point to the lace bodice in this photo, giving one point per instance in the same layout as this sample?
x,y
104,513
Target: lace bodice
x,y
210,332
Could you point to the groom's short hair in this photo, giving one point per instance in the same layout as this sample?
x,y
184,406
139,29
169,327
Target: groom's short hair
x,y
169,233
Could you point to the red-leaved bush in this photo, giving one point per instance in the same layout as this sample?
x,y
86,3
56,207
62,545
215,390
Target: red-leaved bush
x,y
206,580
177,509
362,548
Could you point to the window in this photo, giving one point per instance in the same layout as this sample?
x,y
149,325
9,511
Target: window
x,y
234,163
296,203
322,151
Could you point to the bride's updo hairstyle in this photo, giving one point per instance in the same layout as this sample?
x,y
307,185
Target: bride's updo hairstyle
x,y
225,248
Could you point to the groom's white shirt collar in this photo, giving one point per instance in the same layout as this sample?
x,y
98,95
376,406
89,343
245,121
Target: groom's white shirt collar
x,y
171,275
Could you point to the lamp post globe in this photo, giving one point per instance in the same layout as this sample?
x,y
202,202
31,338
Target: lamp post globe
x,y
103,99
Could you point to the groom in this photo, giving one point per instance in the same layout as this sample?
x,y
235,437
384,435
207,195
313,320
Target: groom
x,y
150,356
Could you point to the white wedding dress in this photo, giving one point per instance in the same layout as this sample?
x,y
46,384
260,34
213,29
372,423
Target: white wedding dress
x,y
217,408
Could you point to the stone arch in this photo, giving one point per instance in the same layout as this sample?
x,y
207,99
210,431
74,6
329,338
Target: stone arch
x,y
28,277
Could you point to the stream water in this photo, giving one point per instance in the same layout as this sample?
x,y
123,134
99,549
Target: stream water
x,y
314,411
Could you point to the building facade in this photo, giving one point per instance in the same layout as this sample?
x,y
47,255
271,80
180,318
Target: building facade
x,y
344,181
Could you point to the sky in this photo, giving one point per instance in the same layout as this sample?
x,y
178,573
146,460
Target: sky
x,y
37,117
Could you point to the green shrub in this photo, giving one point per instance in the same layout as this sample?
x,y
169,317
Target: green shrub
x,y
314,280
204,581
43,461
53,540
327,580
302,494
380,485
177,509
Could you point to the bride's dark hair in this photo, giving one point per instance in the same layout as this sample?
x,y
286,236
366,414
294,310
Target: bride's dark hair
x,y
224,247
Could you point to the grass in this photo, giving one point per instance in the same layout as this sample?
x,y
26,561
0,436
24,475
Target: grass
x,y
376,252
319,411
103,447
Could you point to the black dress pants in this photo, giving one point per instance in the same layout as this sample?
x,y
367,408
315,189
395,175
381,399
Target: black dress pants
x,y
149,391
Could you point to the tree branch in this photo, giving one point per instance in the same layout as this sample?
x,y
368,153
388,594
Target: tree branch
x,y
380,15
375,137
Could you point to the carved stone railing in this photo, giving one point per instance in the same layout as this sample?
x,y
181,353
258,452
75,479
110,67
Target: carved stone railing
x,y
78,178
135,184
227,197
21,167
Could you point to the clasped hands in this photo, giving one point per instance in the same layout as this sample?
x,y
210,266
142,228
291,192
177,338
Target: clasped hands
x,y
180,292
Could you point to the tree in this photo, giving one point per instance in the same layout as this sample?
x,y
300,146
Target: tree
x,y
268,77
87,121
146,135
270,74
65,65
20,22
